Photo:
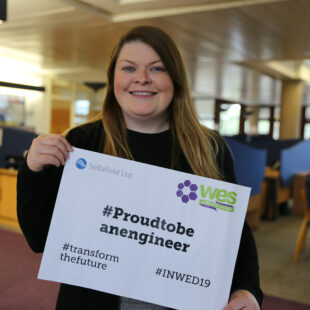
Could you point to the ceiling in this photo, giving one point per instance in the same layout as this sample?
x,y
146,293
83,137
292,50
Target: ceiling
x,y
234,49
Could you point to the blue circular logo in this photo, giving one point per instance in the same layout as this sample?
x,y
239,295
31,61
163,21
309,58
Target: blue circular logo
x,y
81,163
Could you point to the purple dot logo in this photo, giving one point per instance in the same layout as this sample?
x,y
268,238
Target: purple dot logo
x,y
187,191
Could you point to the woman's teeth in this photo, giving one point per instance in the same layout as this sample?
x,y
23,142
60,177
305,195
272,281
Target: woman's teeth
x,y
142,93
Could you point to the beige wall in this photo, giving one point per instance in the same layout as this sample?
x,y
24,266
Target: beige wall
x,y
290,115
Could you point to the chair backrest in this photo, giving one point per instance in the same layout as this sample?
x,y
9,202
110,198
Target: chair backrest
x,y
307,188
250,164
14,141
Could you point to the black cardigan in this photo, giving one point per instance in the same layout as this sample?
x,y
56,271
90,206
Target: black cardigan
x,y
37,191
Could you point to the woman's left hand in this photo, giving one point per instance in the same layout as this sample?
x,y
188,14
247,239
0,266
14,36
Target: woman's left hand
x,y
242,300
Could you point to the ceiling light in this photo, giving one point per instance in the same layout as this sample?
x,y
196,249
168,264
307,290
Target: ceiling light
x,y
2,11
131,1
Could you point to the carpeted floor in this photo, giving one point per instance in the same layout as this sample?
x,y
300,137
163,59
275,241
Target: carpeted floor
x,y
280,276
276,303
20,289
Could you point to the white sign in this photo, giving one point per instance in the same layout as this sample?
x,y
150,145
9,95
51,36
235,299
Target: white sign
x,y
144,232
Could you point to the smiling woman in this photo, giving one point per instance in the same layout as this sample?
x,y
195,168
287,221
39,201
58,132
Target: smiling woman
x,y
143,88
147,116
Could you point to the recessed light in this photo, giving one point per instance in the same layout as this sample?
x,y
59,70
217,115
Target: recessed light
x,y
131,1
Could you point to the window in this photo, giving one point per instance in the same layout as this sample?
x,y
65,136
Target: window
x,y
82,107
82,110
307,131
229,119
205,110
263,127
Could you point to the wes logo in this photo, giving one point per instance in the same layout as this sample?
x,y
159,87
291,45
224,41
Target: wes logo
x,y
216,198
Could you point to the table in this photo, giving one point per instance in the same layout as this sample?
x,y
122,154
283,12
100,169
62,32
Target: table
x,y
299,203
8,213
275,194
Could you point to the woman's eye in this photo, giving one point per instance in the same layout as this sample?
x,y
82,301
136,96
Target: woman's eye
x,y
158,69
129,69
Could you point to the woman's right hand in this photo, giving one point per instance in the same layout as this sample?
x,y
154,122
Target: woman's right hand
x,y
49,149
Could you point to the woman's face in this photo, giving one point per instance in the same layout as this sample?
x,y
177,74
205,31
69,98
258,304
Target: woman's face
x,y
143,88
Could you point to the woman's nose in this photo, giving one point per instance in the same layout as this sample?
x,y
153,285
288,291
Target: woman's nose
x,y
142,76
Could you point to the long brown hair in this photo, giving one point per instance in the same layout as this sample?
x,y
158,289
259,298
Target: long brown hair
x,y
199,144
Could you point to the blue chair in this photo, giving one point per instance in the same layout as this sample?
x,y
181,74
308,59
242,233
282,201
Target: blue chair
x,y
301,240
14,142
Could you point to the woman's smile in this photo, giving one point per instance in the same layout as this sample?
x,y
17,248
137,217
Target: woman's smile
x,y
142,87
142,93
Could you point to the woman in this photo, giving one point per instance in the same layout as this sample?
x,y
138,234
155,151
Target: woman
x,y
147,116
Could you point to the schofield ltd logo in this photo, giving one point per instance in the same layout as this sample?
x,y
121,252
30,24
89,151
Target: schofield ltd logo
x,y
81,163
210,197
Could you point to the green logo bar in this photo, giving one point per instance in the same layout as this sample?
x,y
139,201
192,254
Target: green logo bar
x,y
216,205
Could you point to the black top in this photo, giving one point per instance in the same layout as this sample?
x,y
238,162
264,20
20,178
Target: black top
x,y
37,191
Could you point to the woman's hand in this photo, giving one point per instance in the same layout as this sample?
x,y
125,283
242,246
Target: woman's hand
x,y
242,300
50,149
